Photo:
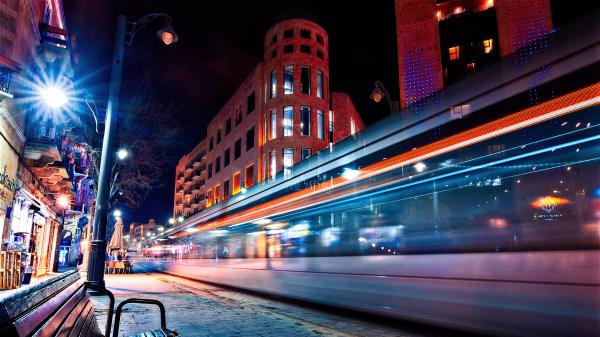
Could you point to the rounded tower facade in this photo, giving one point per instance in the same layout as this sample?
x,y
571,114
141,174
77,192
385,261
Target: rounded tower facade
x,y
296,94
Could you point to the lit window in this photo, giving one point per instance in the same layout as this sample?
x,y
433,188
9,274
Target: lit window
x,y
305,121
273,124
217,194
305,80
488,45
288,80
319,84
249,176
454,53
288,161
236,183
470,66
273,86
352,127
208,197
305,153
273,164
288,120
320,124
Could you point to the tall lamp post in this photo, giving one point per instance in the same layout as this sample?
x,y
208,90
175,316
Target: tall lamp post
x,y
97,255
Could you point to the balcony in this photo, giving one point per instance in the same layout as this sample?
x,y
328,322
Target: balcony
x,y
55,45
7,67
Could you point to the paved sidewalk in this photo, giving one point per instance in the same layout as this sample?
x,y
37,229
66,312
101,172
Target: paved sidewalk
x,y
198,309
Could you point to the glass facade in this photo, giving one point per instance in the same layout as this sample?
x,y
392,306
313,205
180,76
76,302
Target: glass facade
x,y
320,124
273,124
319,84
273,86
288,162
305,121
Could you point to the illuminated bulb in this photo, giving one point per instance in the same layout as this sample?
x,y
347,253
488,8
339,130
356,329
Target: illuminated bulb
x,y
63,201
122,154
117,213
167,37
54,96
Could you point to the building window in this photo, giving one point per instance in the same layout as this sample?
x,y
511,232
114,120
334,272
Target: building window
x,y
305,121
288,120
218,136
209,197
289,33
273,124
319,84
249,176
320,124
305,153
226,157
225,189
330,126
319,39
288,162
210,144
228,126
236,183
217,165
488,45
217,193
305,33
288,80
251,102
249,139
237,150
274,53
305,49
273,86
273,164
454,53
352,126
274,39
209,170
288,49
320,54
238,115
305,80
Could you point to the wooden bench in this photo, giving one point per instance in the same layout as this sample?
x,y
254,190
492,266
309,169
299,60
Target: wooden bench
x,y
61,306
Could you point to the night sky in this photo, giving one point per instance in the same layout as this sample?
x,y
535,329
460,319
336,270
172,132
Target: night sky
x,y
220,43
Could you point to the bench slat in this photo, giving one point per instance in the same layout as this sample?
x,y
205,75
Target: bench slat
x,y
90,326
56,320
70,319
76,331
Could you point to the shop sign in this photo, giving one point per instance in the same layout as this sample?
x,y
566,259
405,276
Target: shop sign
x,y
8,183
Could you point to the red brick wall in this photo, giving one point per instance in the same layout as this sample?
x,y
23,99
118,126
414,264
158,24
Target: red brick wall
x,y
343,113
520,22
419,58
238,100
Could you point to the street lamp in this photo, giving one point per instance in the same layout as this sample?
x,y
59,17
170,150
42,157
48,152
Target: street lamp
x,y
117,213
171,221
54,96
380,92
180,219
95,274
122,154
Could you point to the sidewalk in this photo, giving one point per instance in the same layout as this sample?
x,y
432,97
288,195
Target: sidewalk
x,y
197,309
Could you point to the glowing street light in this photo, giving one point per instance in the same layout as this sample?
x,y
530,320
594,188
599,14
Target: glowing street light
x,y
63,201
180,219
54,96
171,221
167,34
117,213
122,154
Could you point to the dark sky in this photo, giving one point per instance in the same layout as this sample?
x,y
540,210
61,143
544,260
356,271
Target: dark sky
x,y
220,42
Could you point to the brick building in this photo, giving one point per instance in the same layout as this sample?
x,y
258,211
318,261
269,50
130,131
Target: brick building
x,y
281,114
440,42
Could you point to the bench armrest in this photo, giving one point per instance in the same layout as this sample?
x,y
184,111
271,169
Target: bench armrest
x,y
163,319
111,305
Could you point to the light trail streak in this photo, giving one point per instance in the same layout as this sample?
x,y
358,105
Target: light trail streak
x,y
580,99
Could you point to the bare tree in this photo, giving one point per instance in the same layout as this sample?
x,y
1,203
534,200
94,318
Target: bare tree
x,y
148,132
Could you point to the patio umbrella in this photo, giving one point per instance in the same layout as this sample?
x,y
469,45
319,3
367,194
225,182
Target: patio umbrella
x,y
116,243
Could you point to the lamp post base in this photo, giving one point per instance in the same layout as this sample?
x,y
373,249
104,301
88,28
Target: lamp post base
x,y
95,267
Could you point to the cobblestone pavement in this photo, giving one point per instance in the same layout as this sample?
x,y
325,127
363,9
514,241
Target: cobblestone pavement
x,y
199,309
